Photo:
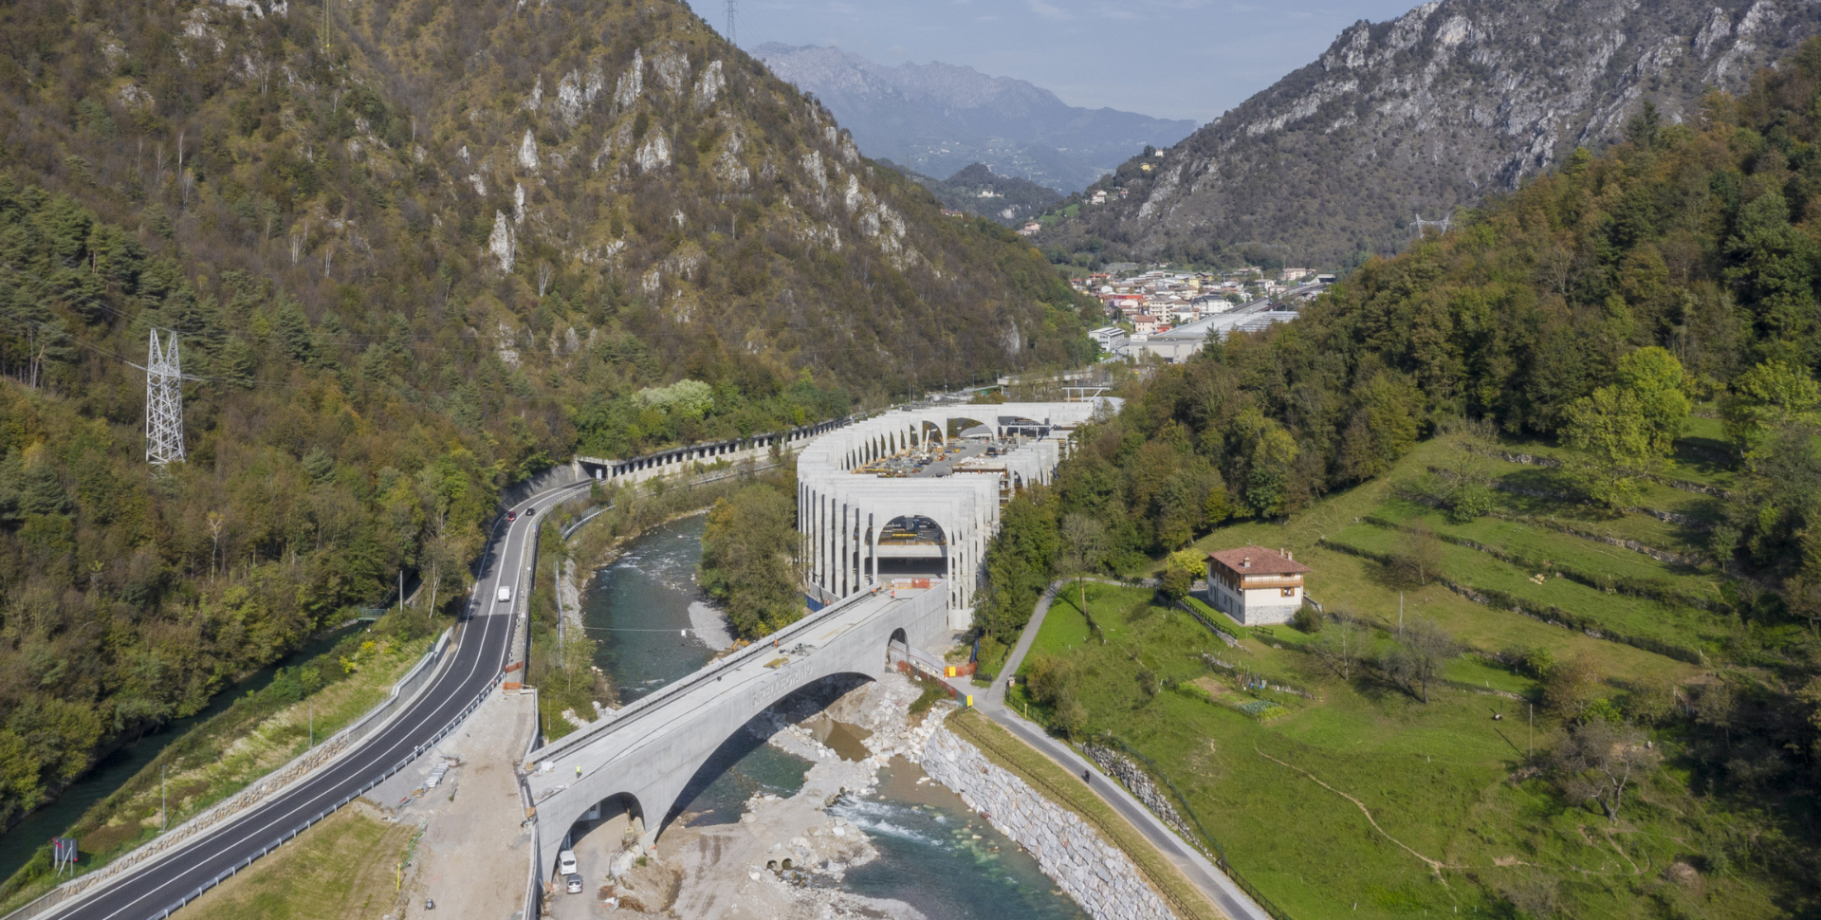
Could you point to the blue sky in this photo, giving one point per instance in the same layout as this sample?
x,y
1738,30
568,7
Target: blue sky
x,y
1167,58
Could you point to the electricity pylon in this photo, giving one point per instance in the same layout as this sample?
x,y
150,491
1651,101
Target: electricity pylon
x,y
163,403
730,24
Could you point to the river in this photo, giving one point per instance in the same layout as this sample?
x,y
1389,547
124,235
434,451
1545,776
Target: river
x,y
114,770
934,854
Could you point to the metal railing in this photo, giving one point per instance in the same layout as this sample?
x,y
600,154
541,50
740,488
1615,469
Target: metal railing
x,y
301,767
663,695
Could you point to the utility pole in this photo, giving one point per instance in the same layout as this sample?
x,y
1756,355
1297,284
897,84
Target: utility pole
x,y
312,722
163,403
164,815
1530,733
1400,613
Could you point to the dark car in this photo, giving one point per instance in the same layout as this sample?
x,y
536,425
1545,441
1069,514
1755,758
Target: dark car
x,y
530,511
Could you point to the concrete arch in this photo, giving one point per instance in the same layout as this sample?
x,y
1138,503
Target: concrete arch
x,y
655,748
793,706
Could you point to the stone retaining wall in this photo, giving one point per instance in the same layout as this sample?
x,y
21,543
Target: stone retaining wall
x,y
1098,875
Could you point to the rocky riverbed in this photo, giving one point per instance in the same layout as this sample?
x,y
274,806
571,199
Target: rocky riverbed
x,y
787,855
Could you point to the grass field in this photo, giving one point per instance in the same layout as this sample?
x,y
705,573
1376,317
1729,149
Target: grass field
x,y
1454,828
343,869
1366,802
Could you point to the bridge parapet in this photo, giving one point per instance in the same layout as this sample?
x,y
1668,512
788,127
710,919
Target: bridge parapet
x,y
650,751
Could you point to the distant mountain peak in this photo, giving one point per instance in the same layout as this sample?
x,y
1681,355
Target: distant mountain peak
x,y
938,118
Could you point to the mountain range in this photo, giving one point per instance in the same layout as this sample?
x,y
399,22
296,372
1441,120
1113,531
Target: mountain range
x,y
1437,109
413,253
938,118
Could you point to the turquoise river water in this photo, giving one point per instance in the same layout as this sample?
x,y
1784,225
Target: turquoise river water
x,y
934,854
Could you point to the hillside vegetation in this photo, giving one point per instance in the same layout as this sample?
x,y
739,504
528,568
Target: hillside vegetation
x,y
413,252
1567,455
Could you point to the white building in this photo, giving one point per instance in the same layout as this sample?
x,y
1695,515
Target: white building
x,y
1254,585
1108,337
913,495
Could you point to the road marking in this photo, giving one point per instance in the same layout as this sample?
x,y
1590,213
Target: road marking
x,y
334,786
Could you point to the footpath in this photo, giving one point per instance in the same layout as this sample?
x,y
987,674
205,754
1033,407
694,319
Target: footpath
x,y
1202,873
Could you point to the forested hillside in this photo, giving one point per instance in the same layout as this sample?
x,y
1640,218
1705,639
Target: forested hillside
x,y
1583,316
413,252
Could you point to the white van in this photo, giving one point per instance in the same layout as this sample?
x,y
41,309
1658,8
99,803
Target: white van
x,y
505,593
565,862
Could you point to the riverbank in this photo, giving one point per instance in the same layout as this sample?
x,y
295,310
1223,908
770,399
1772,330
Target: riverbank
x,y
228,753
787,855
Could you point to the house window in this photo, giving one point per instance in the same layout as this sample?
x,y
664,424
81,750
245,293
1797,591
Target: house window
x,y
1286,592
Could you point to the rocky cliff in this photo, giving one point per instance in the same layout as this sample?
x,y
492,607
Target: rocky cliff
x,y
1451,102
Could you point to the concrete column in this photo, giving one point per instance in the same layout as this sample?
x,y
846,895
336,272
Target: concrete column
x,y
872,522
823,521
821,506
845,532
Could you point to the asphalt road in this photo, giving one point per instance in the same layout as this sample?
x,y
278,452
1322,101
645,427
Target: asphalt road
x,y
479,656
1200,872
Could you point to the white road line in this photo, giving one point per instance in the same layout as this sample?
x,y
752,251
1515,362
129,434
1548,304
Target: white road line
x,y
271,821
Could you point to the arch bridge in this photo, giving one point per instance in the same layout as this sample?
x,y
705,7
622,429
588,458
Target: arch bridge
x,y
644,757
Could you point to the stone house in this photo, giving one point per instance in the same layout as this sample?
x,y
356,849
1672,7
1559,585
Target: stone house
x,y
1254,585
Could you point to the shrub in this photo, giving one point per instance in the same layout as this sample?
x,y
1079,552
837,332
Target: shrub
x,y
1308,620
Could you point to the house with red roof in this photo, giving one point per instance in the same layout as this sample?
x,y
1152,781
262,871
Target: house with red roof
x,y
1254,585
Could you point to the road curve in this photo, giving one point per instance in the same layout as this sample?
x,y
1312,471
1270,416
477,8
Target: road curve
x,y
480,654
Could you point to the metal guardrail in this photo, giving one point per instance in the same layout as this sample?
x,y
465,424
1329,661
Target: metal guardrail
x,y
306,825
405,690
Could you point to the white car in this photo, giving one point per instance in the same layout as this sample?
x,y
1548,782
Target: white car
x,y
572,883
505,593
565,863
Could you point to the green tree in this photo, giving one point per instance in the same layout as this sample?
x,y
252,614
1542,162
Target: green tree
x,y
1084,545
749,565
1179,573
1655,378
1767,398
1613,432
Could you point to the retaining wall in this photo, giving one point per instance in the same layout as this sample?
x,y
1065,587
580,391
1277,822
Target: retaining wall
x,y
1098,875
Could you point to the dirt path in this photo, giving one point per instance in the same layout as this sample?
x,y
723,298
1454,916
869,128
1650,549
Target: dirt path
x,y
1435,866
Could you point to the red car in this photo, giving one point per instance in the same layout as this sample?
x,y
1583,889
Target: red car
x,y
511,516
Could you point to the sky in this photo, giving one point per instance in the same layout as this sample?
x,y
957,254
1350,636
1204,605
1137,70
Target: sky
x,y
1166,58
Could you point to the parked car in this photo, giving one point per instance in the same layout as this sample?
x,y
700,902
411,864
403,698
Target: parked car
x,y
505,593
572,883
565,862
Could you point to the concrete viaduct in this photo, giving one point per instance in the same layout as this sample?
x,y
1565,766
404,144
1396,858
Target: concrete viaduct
x,y
843,511
644,756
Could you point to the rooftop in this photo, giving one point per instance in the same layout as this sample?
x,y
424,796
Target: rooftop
x,y
1256,560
